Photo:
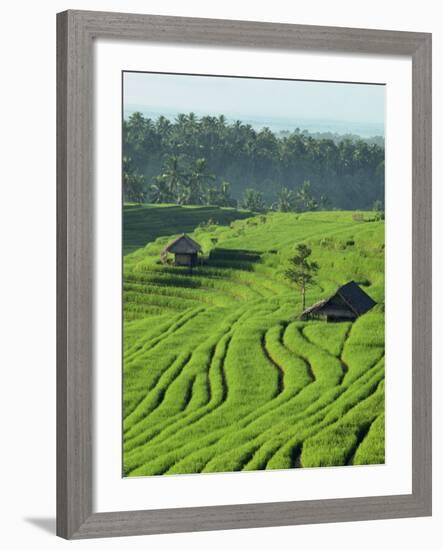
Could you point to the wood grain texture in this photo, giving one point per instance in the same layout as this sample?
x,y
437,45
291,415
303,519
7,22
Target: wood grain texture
x,y
194,30
76,31
74,290
241,516
62,144
422,271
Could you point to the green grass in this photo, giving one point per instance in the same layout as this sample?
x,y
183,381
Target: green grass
x,y
143,223
219,375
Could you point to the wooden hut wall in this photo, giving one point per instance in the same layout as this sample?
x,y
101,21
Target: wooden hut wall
x,y
186,259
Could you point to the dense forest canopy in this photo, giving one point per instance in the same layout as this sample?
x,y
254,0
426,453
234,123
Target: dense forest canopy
x,y
208,160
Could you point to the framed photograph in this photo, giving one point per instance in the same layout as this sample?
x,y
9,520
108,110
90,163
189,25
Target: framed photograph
x,y
244,274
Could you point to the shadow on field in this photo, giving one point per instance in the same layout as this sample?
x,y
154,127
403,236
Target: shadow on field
x,y
233,258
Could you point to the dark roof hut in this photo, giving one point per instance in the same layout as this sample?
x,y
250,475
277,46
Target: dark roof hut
x,y
185,250
348,303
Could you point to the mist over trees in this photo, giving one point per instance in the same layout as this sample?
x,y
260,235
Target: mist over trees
x,y
207,160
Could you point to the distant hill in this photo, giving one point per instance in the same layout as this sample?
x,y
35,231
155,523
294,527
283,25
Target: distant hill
x,y
337,137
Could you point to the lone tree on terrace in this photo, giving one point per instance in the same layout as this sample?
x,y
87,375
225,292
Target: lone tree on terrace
x,y
301,271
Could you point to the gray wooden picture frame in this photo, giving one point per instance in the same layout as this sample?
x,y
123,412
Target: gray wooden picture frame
x,y
76,32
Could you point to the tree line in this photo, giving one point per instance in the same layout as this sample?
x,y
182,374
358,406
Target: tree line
x,y
208,160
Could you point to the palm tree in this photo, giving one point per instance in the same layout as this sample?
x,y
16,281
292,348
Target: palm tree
x,y
192,118
286,200
180,119
212,195
133,182
163,126
305,198
197,182
220,196
253,200
222,120
225,194
172,176
159,191
349,170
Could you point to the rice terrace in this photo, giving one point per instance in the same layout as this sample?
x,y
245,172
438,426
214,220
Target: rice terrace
x,y
253,274
219,373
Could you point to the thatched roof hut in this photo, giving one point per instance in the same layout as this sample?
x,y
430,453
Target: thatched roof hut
x,y
348,303
185,250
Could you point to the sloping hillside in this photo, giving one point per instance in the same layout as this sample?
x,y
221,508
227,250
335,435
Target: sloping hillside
x,y
219,375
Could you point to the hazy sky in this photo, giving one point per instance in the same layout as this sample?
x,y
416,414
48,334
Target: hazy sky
x,y
237,97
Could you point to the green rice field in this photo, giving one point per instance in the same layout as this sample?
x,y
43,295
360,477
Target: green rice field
x,y
219,373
